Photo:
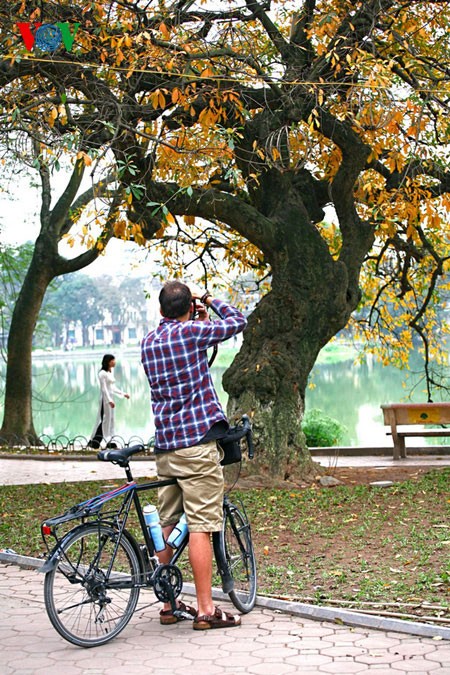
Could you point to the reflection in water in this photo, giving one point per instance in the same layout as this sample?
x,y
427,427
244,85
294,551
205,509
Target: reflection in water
x,y
353,394
74,386
66,397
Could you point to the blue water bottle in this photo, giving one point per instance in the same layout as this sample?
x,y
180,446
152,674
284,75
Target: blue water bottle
x,y
178,533
151,516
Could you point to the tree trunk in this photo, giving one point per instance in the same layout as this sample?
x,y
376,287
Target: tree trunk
x,y
46,264
18,415
269,376
85,334
311,299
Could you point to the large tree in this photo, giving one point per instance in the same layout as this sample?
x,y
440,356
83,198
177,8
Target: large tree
x,y
46,264
256,116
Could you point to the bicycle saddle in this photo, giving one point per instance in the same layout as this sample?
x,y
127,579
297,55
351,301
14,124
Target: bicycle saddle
x,y
120,456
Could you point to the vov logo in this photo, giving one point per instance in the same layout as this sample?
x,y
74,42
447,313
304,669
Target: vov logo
x,y
48,36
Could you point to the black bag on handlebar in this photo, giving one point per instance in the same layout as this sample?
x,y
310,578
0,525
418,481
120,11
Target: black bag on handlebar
x,y
231,451
231,443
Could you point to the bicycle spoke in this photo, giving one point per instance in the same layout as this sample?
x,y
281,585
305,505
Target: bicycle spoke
x,y
236,549
84,607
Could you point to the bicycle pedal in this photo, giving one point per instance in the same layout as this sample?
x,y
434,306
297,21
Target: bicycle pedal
x,y
181,614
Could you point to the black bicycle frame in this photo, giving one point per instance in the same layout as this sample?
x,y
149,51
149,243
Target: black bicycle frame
x,y
143,487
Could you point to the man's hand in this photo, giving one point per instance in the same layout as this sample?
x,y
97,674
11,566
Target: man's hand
x,y
202,312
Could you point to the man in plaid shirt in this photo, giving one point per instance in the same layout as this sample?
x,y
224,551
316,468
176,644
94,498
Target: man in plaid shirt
x,y
188,420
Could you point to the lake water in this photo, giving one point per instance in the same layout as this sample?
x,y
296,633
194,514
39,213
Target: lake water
x,y
66,396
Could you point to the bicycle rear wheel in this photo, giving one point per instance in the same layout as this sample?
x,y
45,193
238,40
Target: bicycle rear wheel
x,y
236,546
89,594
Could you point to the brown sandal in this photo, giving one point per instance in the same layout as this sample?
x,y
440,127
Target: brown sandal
x,y
219,619
166,616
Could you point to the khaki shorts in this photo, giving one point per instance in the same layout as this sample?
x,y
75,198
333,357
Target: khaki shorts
x,y
199,489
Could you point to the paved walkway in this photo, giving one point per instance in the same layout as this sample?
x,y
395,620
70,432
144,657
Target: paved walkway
x,y
19,471
268,642
381,461
25,471
272,640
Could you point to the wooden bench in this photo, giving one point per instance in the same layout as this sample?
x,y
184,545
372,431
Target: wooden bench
x,y
397,414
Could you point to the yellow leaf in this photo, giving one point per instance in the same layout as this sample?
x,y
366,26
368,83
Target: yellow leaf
x,y
276,154
164,30
161,100
85,157
176,95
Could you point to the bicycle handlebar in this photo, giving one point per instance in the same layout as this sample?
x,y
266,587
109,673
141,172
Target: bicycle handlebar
x,y
243,430
249,438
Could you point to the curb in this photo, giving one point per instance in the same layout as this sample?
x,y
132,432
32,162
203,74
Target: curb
x,y
384,451
438,452
314,612
69,458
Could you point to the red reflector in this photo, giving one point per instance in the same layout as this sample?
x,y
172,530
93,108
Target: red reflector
x,y
46,529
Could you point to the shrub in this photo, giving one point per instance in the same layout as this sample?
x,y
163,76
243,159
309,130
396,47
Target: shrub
x,y
321,430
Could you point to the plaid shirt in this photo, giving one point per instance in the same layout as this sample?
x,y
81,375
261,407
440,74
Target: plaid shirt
x,y
184,401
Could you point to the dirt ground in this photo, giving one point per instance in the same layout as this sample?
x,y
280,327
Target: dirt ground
x,y
367,561
365,475
346,475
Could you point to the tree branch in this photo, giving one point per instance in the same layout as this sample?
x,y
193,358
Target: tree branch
x,y
98,190
62,206
213,205
66,265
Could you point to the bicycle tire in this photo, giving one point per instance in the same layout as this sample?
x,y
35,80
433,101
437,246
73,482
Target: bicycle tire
x,y
82,601
237,549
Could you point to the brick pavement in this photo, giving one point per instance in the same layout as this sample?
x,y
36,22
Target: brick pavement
x,y
22,470
271,640
268,642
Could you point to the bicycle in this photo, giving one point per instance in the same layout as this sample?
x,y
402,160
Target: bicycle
x,y
95,571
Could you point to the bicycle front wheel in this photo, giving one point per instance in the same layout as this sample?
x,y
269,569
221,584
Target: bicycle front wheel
x,y
90,595
237,549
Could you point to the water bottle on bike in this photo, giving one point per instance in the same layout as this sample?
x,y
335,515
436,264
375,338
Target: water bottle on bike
x,y
178,533
151,516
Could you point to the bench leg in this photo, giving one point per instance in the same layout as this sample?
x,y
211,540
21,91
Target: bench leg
x,y
402,447
399,447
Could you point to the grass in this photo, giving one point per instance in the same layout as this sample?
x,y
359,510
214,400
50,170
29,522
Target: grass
x,y
348,544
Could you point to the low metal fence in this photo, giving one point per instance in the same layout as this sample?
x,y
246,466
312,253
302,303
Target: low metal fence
x,y
78,444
